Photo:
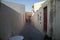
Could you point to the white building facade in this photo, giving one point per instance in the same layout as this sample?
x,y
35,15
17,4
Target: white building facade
x,y
55,10
41,18
12,19
53,18
36,16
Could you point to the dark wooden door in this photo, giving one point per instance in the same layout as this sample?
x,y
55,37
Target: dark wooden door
x,y
45,19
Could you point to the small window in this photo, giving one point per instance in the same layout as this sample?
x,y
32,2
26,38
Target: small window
x,y
40,12
40,22
40,18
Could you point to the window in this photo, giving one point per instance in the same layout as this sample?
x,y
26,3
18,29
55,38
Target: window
x,y
40,22
40,12
40,18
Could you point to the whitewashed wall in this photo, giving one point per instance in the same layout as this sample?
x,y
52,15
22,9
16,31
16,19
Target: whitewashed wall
x,y
11,19
36,17
56,18
20,8
56,21
40,10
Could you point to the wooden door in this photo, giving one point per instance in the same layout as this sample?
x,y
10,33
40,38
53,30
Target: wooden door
x,y
45,19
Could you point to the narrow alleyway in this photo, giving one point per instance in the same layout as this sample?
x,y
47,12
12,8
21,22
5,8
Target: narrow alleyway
x,y
31,33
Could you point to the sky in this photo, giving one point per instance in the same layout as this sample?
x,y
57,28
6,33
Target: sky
x,y
28,3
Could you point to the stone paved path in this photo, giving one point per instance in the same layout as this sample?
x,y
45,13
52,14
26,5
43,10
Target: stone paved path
x,y
31,33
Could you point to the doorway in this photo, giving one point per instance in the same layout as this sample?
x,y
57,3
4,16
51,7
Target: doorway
x,y
45,19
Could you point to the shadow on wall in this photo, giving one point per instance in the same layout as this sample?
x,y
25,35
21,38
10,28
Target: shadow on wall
x,y
10,22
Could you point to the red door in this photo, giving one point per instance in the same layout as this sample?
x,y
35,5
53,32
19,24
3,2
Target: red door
x,y
45,19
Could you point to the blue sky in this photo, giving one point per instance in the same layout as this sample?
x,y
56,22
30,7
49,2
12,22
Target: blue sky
x,y
28,3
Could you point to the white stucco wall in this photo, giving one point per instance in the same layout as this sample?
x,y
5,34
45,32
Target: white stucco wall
x,y
42,18
11,20
38,5
56,18
56,22
15,6
38,11
20,8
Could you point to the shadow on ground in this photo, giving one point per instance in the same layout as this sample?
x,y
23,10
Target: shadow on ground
x,y
31,33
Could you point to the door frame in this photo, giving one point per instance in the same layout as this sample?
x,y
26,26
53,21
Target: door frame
x,y
45,20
